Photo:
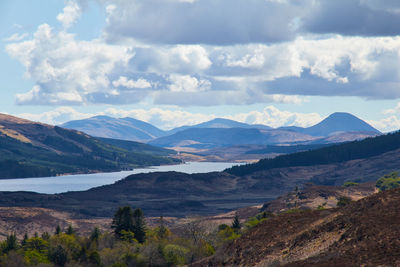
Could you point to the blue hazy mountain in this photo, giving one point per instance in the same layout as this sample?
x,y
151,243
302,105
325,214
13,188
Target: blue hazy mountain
x,y
338,127
220,137
123,128
219,123
336,123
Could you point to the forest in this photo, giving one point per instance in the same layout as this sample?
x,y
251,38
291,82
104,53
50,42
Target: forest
x,y
365,148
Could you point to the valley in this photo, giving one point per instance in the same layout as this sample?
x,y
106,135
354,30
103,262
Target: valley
x,y
296,188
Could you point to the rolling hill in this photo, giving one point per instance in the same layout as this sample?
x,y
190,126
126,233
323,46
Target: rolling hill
x,y
30,149
123,128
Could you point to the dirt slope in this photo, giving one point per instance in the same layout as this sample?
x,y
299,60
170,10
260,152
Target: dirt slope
x,y
21,220
364,233
314,196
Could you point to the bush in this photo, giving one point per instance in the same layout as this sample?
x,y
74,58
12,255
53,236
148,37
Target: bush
x,y
343,201
388,181
58,255
348,184
175,255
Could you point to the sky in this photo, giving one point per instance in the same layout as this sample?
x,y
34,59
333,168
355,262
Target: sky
x,y
182,62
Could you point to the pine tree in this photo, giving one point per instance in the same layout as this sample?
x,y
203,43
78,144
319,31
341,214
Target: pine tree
x,y
139,225
236,225
123,220
58,230
23,242
95,235
11,243
70,230
46,236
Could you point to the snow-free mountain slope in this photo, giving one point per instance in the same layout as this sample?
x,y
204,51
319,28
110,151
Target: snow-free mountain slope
x,y
123,128
219,123
31,149
336,123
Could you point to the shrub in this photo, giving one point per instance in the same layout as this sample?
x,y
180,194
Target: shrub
x,y
388,181
350,183
175,255
343,201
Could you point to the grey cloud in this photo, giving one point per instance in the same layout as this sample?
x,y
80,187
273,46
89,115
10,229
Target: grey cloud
x,y
216,22
311,85
353,17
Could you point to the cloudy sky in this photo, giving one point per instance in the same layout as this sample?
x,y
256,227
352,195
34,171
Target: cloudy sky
x,y
175,62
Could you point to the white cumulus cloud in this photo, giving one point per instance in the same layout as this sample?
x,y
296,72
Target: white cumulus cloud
x,y
71,13
125,82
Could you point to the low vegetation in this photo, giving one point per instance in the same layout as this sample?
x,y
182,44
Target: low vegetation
x,y
348,184
130,242
388,181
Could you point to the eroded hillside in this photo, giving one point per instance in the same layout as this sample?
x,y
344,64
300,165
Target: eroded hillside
x,y
364,233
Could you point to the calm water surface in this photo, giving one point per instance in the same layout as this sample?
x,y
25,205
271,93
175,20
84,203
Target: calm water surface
x,y
80,182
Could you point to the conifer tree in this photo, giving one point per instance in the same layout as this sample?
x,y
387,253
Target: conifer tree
x,y
236,225
123,220
139,225
58,230
70,230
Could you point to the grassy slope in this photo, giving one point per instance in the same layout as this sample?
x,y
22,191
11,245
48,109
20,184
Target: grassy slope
x,y
138,147
59,151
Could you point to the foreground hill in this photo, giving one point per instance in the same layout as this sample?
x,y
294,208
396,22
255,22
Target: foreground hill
x,y
123,128
364,233
30,149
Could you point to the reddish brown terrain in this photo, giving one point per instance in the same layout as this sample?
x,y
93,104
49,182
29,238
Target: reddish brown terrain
x,y
20,220
364,233
319,196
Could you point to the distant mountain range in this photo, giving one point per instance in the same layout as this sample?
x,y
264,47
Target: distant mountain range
x,y
30,149
338,127
222,137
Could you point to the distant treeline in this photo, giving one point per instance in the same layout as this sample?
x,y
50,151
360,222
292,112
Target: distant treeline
x,y
366,148
286,149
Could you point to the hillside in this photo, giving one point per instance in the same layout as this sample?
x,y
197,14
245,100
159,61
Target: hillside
x,y
30,149
123,128
333,154
138,147
364,233
318,196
